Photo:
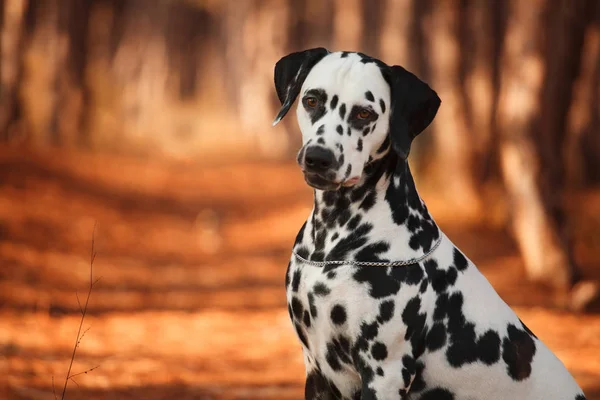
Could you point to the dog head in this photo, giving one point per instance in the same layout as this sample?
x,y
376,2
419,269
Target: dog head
x,y
352,110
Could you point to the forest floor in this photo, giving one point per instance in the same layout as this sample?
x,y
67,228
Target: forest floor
x,y
191,301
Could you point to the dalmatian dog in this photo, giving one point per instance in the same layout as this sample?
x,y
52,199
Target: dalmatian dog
x,y
383,303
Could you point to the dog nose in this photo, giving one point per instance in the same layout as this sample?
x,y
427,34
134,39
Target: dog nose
x,y
318,159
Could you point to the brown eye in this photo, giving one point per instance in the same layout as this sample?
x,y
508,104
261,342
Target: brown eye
x,y
364,114
311,102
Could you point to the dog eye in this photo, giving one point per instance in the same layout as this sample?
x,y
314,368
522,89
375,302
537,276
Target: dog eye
x,y
364,114
311,102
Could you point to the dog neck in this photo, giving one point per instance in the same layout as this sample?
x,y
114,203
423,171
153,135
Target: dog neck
x,y
382,218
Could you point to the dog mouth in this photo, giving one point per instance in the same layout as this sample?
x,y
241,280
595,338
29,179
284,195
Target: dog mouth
x,y
318,182
322,183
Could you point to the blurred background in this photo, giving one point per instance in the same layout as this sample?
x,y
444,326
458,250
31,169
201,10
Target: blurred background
x,y
152,119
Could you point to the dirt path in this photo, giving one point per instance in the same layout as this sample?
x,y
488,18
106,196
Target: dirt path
x,y
192,260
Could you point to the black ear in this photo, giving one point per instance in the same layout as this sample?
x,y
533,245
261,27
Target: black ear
x,y
290,73
414,105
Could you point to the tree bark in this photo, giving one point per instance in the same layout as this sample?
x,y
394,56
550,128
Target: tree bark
x,y
12,18
478,55
584,114
347,25
532,185
395,44
452,139
263,46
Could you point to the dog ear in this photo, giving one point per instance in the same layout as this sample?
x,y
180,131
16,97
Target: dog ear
x,y
290,73
414,105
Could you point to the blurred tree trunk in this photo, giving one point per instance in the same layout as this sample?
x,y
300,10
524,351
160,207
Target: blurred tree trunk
x,y
45,58
52,89
140,66
452,139
583,141
263,45
348,25
535,93
372,14
12,19
480,95
395,44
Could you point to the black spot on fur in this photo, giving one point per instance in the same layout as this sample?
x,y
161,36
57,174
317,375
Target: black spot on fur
x,y
406,377
442,304
436,337
332,357
415,322
336,234
338,314
300,234
418,383
312,305
345,215
437,394
349,131
348,171
297,308
518,349
302,252
424,286
379,351
440,279
369,96
344,54
321,289
382,104
381,285
316,386
321,130
366,131
372,251
342,111
321,140
386,311
340,129
353,223
306,319
580,397
368,202
379,371
334,102
409,274
414,223
465,347
460,261
359,145
488,347
296,280
409,364
356,238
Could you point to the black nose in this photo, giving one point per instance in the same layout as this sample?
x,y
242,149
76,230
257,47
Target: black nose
x,y
318,159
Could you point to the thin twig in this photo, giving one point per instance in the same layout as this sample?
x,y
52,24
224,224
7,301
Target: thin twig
x,y
83,372
53,388
83,310
78,302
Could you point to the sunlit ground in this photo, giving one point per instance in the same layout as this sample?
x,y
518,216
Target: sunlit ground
x,y
191,302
